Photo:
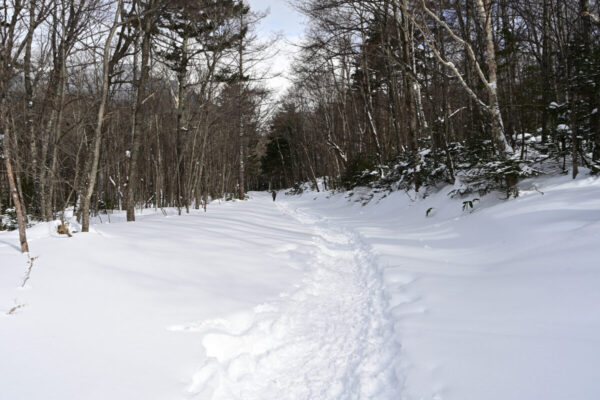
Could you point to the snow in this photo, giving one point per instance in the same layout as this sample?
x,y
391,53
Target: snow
x,y
500,303
99,306
529,138
553,105
314,297
346,350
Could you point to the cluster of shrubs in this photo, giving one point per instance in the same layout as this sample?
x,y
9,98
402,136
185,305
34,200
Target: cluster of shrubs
x,y
8,219
473,169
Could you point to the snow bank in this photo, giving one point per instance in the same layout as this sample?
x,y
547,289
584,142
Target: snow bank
x,y
100,308
498,302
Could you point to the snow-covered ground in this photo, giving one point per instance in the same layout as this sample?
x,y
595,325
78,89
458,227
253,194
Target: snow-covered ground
x,y
314,297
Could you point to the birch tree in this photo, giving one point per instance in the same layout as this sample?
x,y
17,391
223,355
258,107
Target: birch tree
x,y
110,57
489,81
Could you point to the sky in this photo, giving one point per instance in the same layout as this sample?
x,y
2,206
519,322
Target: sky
x,y
284,20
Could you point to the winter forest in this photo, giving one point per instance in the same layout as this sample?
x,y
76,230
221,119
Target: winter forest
x,y
470,125
125,104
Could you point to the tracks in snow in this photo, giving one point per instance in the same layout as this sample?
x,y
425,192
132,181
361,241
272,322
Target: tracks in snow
x,y
331,339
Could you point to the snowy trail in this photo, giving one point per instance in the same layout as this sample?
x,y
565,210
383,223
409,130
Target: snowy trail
x,y
496,303
330,339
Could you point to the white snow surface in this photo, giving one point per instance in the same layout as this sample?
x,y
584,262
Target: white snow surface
x,y
314,297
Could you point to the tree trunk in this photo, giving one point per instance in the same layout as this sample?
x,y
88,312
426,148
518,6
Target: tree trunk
x,y
181,128
241,172
137,127
546,71
410,95
485,15
94,156
13,187
594,95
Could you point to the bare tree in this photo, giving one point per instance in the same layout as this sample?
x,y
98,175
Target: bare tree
x,y
109,61
490,82
16,32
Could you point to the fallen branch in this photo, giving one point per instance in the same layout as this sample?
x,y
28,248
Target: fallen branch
x,y
15,309
28,273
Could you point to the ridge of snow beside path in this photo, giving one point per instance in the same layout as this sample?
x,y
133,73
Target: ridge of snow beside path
x,y
100,307
502,302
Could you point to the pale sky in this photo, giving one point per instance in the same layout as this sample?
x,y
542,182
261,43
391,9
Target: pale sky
x,y
285,20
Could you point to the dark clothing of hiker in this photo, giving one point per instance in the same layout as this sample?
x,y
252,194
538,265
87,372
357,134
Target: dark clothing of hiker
x,y
274,193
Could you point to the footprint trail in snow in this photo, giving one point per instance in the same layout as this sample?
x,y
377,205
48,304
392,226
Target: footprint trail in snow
x,y
331,339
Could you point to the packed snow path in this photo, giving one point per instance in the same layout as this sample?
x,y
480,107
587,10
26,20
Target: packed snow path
x,y
330,339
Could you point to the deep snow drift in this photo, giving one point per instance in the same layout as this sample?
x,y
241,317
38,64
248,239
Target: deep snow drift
x,y
314,297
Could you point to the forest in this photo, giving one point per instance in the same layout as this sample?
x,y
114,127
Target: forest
x,y
299,199
129,104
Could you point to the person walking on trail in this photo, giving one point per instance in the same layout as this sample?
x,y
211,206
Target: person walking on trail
x,y
274,193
